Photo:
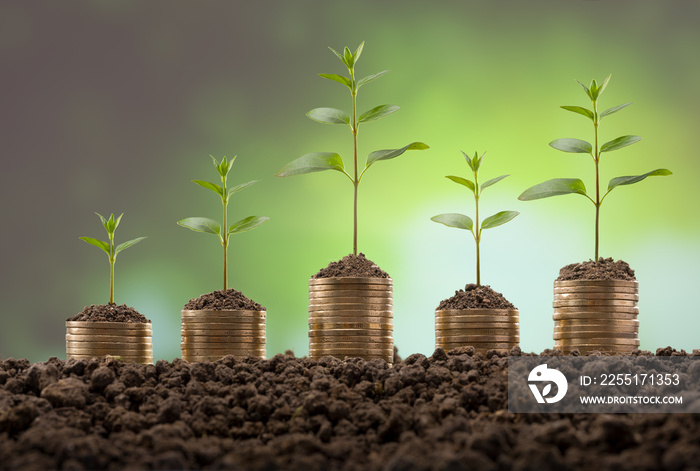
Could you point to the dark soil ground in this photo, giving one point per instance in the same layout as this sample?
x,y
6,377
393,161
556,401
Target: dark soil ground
x,y
445,412
229,299
476,297
109,313
605,269
352,265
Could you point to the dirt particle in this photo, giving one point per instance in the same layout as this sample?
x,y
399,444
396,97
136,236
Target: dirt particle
x,y
223,300
109,313
476,297
605,269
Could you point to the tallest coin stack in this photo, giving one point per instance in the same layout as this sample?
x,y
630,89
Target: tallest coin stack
x,y
596,315
351,317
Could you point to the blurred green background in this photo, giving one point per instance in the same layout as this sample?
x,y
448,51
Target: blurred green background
x,y
115,106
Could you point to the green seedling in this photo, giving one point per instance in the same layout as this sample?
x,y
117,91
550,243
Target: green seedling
x,y
460,221
320,161
223,231
110,226
565,186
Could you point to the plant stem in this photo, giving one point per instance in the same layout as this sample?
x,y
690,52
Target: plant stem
x,y
111,281
477,236
224,233
596,159
356,181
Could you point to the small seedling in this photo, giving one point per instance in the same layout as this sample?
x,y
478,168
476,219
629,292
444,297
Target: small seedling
x,y
110,226
209,226
565,186
320,161
460,221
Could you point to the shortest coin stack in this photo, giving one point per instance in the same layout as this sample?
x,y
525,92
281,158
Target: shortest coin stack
x,y
596,315
483,329
131,341
210,335
351,317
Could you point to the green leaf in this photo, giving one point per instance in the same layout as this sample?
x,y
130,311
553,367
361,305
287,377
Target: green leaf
x,y
585,88
240,187
210,186
370,78
469,160
619,143
572,145
498,219
230,164
476,160
337,54
456,220
329,116
349,61
614,109
462,181
206,225
493,181
127,244
314,162
393,153
594,90
580,110
617,181
97,243
377,112
604,84
251,222
338,78
554,187
358,52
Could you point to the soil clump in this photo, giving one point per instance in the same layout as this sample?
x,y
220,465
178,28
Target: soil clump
x,y
110,313
605,269
438,413
352,265
222,300
476,297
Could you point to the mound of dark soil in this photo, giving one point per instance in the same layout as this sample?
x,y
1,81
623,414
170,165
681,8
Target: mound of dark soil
x,y
220,300
109,313
605,269
476,297
445,412
352,265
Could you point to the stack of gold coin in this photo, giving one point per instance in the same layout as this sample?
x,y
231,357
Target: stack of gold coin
x,y
130,341
596,315
210,335
351,317
483,329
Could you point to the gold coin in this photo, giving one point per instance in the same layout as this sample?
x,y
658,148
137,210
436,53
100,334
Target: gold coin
x,y
353,353
596,283
352,294
224,332
350,306
595,302
108,338
194,353
112,332
221,340
478,312
350,280
351,316
595,296
102,352
215,357
596,324
351,325
594,342
593,290
368,289
595,318
447,346
97,344
596,329
126,359
468,333
601,310
341,332
592,334
478,338
478,326
476,319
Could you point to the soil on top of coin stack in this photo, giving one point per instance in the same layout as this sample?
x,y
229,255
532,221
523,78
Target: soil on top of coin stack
x,y
357,266
110,313
228,300
605,269
476,297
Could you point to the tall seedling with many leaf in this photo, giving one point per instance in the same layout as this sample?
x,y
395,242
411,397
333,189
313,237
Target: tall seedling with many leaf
x,y
223,231
110,226
320,161
565,186
460,221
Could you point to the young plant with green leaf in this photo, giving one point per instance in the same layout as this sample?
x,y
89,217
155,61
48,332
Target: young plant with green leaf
x,y
460,221
565,186
110,226
320,161
223,231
